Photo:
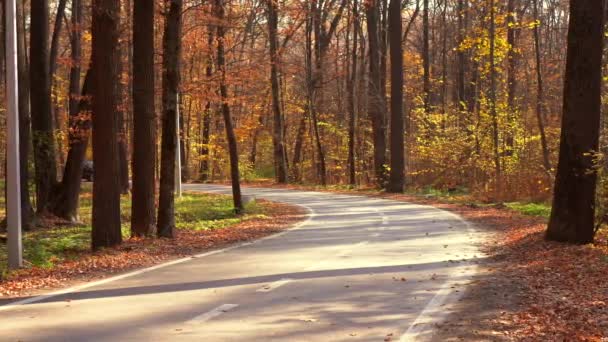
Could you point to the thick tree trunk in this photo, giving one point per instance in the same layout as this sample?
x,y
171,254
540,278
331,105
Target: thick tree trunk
x,y
230,136
397,174
27,212
57,27
106,188
40,97
143,220
376,106
573,212
171,84
278,139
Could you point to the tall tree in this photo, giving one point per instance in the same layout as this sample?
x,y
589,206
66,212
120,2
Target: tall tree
x,y
106,188
171,83
573,212
397,174
144,122
27,212
492,100
40,91
352,103
426,57
230,136
66,199
278,139
376,105
540,94
206,122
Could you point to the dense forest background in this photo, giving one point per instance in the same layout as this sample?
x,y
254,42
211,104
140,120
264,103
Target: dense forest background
x,y
306,86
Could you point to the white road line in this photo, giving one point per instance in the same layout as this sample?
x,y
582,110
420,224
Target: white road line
x,y
310,215
275,285
382,216
349,250
212,314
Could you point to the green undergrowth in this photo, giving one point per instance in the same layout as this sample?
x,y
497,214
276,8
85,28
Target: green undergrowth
x,y
48,245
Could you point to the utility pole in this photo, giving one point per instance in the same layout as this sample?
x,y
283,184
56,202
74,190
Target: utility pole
x,y
178,155
13,190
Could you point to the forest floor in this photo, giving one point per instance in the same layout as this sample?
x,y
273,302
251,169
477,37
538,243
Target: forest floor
x,y
57,254
528,289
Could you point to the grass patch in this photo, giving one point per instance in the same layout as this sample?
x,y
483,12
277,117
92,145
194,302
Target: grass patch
x,y
531,209
46,246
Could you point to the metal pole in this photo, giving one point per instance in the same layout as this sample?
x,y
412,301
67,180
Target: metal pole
x,y
178,155
13,183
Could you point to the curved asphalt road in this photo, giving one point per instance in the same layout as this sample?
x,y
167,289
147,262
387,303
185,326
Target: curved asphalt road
x,y
360,269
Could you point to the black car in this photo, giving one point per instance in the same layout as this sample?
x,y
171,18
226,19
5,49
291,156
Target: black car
x,y
87,170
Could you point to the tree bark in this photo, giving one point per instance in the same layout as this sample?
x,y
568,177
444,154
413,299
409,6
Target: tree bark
x,y
492,98
171,84
106,188
230,136
40,91
397,174
426,58
376,107
573,213
66,198
278,139
27,212
540,94
511,72
143,220
206,129
352,103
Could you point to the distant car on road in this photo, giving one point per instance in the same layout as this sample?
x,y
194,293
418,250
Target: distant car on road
x,y
88,170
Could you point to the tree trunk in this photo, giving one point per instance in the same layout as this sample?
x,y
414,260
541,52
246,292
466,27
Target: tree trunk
x,y
40,91
57,27
352,103
206,129
230,136
27,212
123,162
426,58
540,96
493,111
573,212
278,139
106,188
462,62
66,199
143,220
171,84
511,72
397,174
376,108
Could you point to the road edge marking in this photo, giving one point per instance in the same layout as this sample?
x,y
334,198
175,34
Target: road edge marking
x,y
209,315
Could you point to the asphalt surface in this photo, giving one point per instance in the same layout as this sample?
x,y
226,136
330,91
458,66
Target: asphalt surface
x,y
360,269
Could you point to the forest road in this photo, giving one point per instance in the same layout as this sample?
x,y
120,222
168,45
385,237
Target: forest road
x,y
359,269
